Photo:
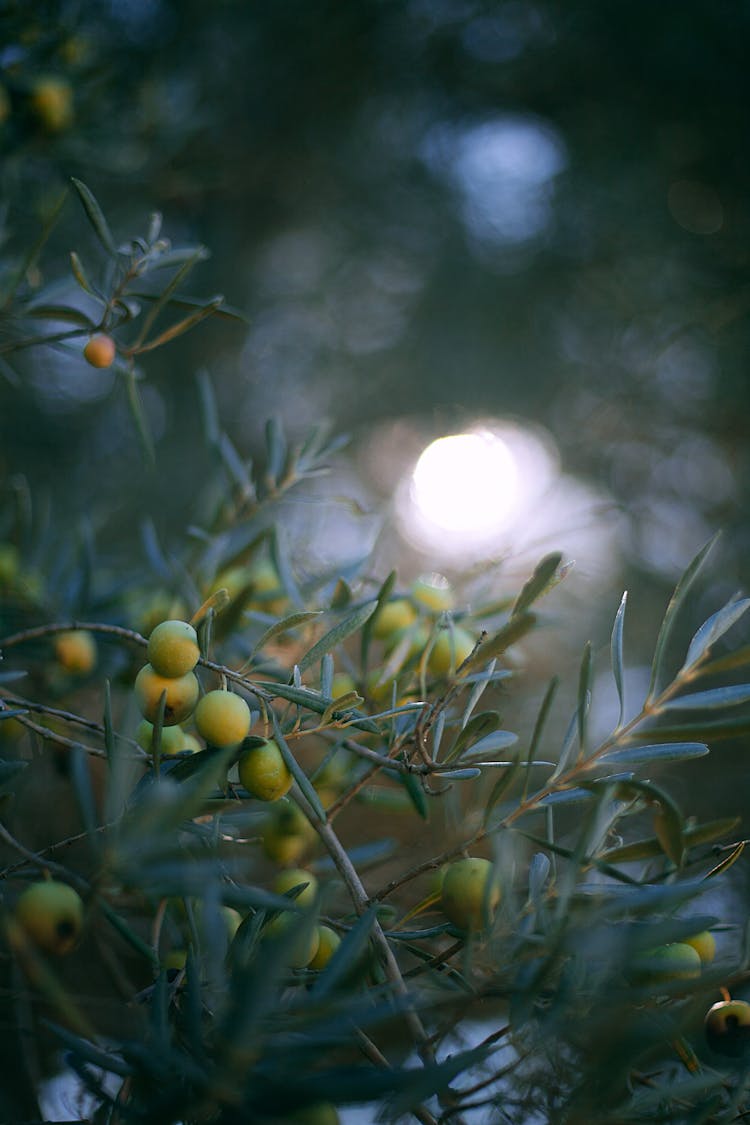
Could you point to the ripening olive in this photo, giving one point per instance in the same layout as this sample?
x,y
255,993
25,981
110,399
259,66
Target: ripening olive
x,y
665,963
100,351
451,648
76,651
173,648
222,718
704,945
433,592
305,945
173,739
52,104
181,695
393,617
470,893
288,833
294,877
728,1028
51,914
264,773
328,943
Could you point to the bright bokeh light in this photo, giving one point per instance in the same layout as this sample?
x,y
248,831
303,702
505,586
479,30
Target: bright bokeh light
x,y
466,482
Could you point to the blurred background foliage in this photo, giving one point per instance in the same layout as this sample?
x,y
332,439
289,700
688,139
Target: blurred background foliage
x,y
434,214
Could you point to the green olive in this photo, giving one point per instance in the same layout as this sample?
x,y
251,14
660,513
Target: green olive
x,y
50,913
173,648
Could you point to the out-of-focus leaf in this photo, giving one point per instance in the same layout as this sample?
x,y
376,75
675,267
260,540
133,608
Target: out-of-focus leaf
x,y
61,312
348,956
351,624
540,582
161,300
95,216
716,626
416,793
139,416
616,653
293,621
276,451
84,793
667,625
280,558
9,771
584,695
209,409
500,788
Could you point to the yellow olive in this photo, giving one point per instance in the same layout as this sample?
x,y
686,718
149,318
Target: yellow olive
x,y
304,948
173,739
470,893
665,963
288,833
175,959
328,943
704,945
393,617
76,651
727,1028
181,695
100,351
222,718
264,773
51,914
433,592
294,877
10,563
451,648
52,104
173,648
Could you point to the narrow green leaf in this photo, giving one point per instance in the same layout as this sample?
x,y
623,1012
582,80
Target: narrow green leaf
x,y
277,450
716,626
462,774
84,793
197,256
584,695
280,558
540,582
541,719
139,417
667,625
508,635
337,634
500,788
236,468
209,409
616,651
482,724
299,775
490,744
95,217
703,700
79,274
29,259
181,326
293,621
415,791
661,752
648,848
348,957
383,595
480,683
60,312
727,862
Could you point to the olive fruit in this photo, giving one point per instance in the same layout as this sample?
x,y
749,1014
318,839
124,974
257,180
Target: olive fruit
x,y
75,651
264,773
100,351
470,893
727,1027
222,718
181,695
328,943
288,833
51,914
704,945
173,648
173,739
10,563
393,617
675,961
294,877
451,648
433,592
305,944
52,104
